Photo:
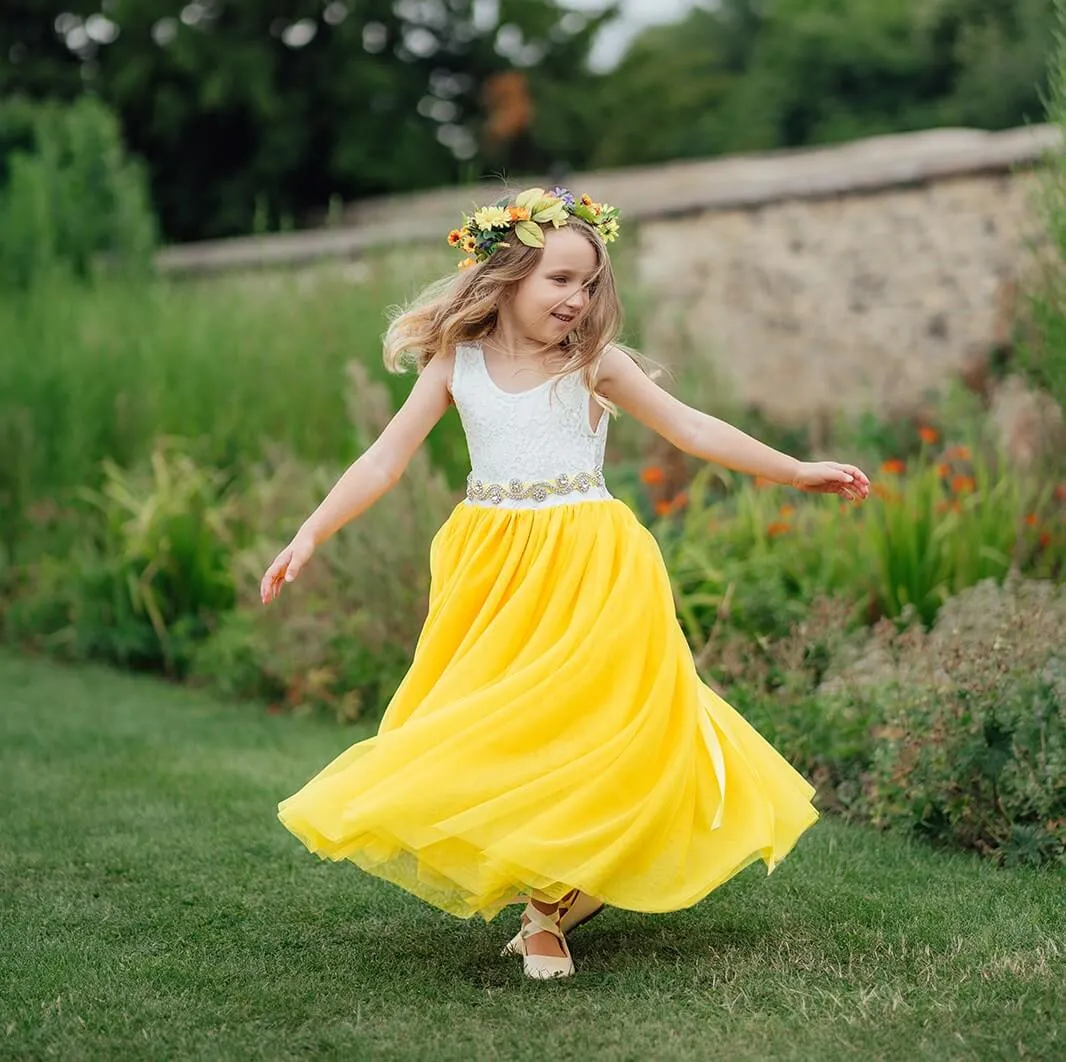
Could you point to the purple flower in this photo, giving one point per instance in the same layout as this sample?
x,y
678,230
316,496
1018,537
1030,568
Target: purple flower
x,y
564,195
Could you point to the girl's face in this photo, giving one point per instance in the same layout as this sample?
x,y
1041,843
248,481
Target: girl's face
x,y
546,305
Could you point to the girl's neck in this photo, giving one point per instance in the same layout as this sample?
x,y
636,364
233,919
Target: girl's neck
x,y
508,342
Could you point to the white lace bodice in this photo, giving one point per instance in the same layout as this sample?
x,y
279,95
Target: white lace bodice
x,y
528,437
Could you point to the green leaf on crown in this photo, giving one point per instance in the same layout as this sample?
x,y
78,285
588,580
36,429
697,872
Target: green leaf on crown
x,y
530,233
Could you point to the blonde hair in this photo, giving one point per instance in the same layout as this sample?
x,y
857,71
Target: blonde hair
x,y
464,308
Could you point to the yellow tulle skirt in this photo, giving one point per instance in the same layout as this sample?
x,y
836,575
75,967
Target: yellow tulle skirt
x,y
552,733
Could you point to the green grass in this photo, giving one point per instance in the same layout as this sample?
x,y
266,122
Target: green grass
x,y
240,364
153,907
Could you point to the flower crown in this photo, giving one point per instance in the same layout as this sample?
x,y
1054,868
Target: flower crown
x,y
483,231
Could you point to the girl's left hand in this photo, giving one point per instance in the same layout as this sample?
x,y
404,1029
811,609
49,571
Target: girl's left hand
x,y
830,477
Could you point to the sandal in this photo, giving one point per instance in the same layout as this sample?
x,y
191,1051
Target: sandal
x,y
545,967
576,907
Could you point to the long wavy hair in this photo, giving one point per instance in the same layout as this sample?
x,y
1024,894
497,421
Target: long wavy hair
x,y
464,308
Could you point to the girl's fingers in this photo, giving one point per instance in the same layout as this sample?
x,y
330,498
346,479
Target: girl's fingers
x,y
270,587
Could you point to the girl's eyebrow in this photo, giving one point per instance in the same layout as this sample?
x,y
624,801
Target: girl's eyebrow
x,y
569,273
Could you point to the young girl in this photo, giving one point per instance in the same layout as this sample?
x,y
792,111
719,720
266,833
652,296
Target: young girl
x,y
552,740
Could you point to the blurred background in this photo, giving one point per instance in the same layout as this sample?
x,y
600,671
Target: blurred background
x,y
844,230
254,116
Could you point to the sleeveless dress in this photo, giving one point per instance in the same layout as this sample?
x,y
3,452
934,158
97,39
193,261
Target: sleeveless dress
x,y
552,731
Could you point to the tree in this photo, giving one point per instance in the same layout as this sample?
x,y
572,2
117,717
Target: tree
x,y
254,112
664,99
746,75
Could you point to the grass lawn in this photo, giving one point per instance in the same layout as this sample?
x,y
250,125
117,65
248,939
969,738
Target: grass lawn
x,y
151,906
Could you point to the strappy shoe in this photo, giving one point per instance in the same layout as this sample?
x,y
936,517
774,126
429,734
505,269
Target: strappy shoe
x,y
545,967
576,907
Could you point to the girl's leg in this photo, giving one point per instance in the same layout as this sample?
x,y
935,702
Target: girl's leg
x,y
543,943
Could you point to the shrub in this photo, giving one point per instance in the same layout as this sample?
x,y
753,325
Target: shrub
x,y
148,573
341,637
955,734
971,745
777,685
68,194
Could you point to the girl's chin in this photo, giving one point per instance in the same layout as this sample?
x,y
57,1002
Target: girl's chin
x,y
551,336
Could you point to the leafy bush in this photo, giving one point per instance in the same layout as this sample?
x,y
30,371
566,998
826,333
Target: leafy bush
x,y
777,685
747,561
149,573
341,637
972,746
163,566
68,194
957,735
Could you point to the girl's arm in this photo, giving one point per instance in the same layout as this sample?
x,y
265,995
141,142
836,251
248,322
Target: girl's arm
x,y
627,386
370,476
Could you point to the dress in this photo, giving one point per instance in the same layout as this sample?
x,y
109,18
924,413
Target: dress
x,y
552,731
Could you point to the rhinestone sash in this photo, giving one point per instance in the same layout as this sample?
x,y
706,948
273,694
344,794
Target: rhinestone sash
x,y
533,490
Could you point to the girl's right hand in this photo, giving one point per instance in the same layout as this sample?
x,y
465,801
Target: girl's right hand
x,y
287,565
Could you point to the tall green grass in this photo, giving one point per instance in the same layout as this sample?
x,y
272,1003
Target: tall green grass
x,y
239,365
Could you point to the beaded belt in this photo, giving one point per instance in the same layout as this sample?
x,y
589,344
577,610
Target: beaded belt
x,y
536,490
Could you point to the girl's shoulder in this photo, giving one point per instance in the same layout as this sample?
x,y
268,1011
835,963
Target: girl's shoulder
x,y
607,365
450,362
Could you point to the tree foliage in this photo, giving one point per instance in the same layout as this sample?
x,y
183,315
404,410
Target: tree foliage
x,y
69,197
749,75
255,114
250,112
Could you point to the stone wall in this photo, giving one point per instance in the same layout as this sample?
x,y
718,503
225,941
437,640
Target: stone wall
x,y
855,300
856,275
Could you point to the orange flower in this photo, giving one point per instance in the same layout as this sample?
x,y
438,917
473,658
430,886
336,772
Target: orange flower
x,y
928,435
963,484
1031,519
886,493
958,453
787,510
1045,539
778,527
454,237
894,467
681,500
942,471
519,213
948,507
652,475
662,508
